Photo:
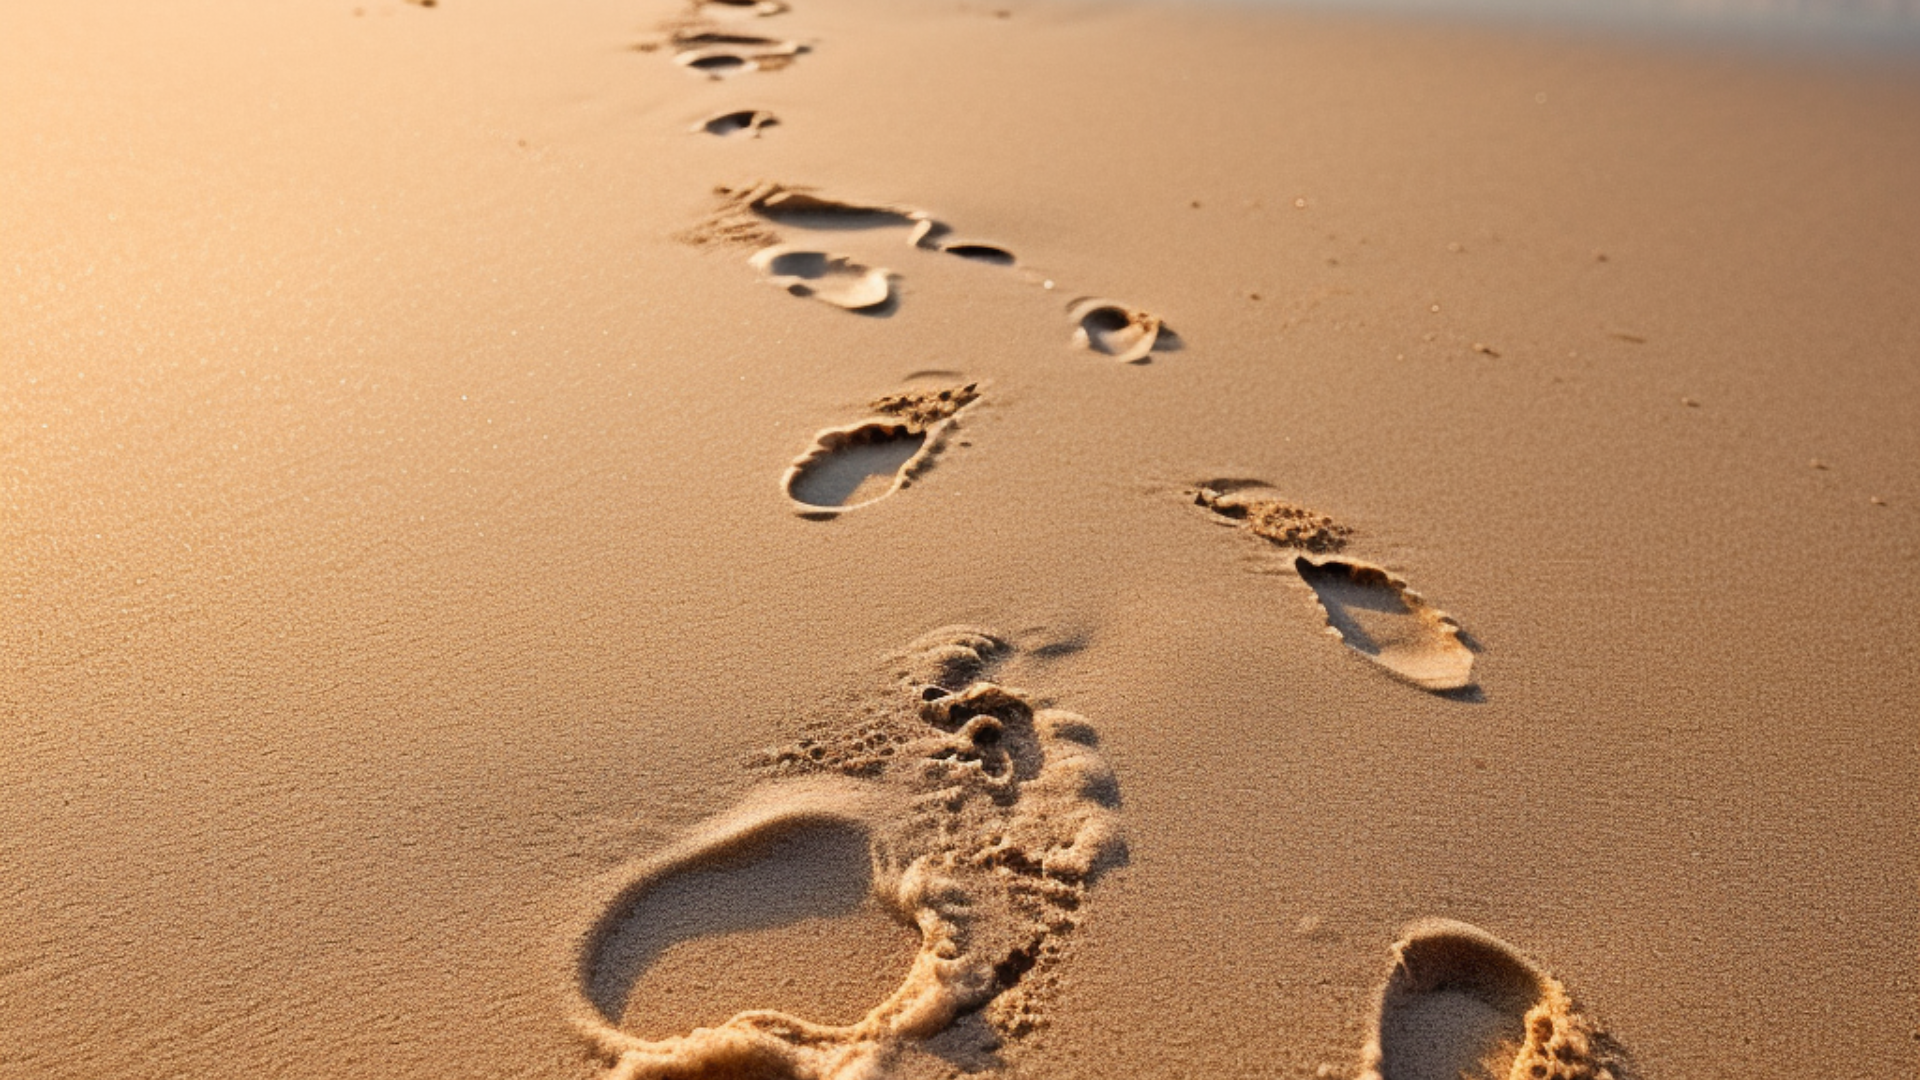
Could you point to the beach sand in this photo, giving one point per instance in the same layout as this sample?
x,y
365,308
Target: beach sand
x,y
1485,492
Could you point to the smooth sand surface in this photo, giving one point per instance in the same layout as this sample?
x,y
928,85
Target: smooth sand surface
x,y
396,553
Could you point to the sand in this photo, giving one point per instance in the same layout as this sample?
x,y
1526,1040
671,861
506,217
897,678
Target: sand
x,y
464,618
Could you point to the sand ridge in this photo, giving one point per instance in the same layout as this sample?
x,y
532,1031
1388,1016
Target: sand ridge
x,y
1460,1002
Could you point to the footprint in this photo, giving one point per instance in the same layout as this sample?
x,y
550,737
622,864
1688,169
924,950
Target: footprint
x,y
986,822
1126,334
854,466
791,876
1255,506
739,9
747,122
830,279
720,56
1380,618
1463,1005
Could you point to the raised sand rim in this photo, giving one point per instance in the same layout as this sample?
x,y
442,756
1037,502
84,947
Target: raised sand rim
x,y
1461,1003
1378,616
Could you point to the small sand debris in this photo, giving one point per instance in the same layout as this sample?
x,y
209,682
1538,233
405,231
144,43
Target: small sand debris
x,y
1876,500
1277,520
922,409
1689,403
1486,350
1816,463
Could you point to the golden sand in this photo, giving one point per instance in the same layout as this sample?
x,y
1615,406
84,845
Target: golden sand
x,y
479,511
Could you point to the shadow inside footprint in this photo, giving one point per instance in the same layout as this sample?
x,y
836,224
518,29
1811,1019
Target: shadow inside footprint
x,y
1461,1003
828,278
856,466
785,921
986,253
1126,334
1380,618
747,122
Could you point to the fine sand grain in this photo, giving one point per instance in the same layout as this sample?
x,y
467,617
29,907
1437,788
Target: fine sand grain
x,y
853,538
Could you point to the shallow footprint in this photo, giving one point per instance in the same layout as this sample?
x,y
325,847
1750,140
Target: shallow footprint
x,y
1386,622
850,467
1463,1005
1104,326
748,122
830,279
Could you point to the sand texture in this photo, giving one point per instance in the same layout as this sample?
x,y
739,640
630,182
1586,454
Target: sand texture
x,y
843,539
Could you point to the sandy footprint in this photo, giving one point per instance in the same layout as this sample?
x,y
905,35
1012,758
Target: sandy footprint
x,y
1369,609
1461,1004
826,277
1127,334
747,122
741,9
860,464
1379,617
721,55
985,820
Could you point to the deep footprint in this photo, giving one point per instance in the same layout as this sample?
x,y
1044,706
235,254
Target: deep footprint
x,y
1461,1003
748,122
1127,334
1380,618
799,887
853,466
987,820
826,277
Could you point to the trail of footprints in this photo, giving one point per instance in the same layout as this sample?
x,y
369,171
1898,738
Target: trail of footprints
x,y
982,817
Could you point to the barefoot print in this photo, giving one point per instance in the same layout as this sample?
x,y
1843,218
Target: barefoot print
x,y
987,820
850,467
1461,1003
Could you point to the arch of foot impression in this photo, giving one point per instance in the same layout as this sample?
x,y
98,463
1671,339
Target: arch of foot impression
x,y
1461,1003
1365,606
859,464
989,820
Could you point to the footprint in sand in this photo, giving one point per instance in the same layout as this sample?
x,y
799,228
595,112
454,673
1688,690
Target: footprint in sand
x,y
947,807
741,9
1372,611
748,122
720,55
828,278
860,464
1463,1005
1129,335
747,213
1380,618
